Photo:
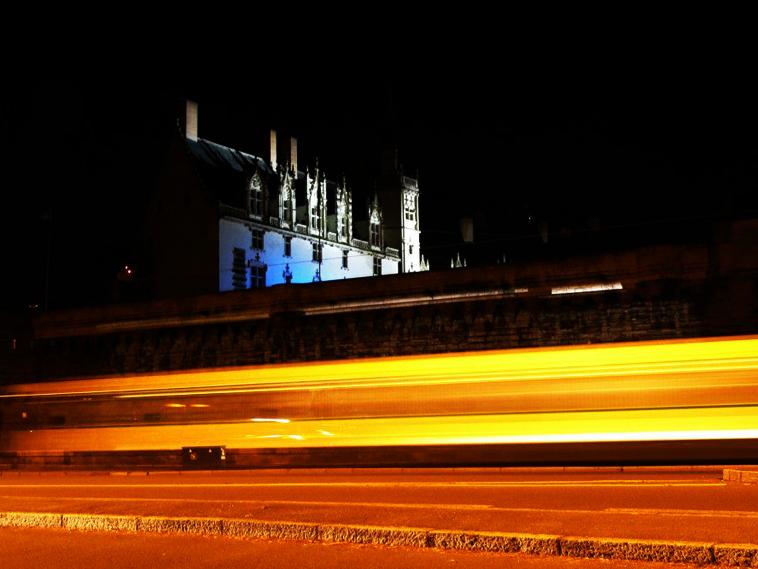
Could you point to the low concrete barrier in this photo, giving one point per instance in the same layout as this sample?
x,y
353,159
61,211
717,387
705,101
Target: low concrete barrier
x,y
732,555
637,549
739,475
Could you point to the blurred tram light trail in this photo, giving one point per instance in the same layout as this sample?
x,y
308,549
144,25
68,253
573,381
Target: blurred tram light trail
x,y
704,389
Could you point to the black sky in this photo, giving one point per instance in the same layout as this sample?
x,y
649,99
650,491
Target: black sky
x,y
502,137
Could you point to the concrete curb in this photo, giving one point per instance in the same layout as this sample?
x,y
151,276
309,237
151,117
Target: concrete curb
x,y
745,476
732,555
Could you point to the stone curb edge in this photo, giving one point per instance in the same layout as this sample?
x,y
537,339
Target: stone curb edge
x,y
733,555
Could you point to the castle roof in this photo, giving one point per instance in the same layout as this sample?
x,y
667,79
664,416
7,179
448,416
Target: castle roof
x,y
226,171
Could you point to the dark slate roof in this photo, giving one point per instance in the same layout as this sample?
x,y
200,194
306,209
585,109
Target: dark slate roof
x,y
226,171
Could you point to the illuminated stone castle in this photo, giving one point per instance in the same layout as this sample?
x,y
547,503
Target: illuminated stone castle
x,y
264,223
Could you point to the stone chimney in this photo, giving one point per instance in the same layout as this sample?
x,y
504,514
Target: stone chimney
x,y
542,226
390,163
293,153
190,120
467,229
273,149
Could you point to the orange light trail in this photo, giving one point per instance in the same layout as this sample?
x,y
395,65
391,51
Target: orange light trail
x,y
674,390
646,358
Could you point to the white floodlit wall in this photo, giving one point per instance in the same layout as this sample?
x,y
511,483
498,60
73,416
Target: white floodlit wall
x,y
234,233
231,234
412,245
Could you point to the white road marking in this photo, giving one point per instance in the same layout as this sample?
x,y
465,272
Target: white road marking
x,y
689,513
577,483
426,506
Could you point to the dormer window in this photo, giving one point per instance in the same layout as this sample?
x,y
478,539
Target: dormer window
x,y
256,197
374,226
287,213
374,235
315,218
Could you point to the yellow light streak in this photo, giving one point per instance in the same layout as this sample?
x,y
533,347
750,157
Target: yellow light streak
x,y
675,390
680,356
714,423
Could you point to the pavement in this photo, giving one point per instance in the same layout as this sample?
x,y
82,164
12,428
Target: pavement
x,y
681,515
40,548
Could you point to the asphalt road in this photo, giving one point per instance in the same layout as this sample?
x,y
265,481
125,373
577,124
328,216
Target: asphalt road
x,y
59,549
646,504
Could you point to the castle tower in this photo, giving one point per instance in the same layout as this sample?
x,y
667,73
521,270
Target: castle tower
x,y
399,198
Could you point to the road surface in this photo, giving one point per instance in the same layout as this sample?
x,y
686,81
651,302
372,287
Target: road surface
x,y
641,504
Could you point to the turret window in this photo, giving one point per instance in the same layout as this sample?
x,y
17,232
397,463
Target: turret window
x,y
410,207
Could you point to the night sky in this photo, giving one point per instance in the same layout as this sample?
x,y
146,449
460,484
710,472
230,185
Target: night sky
x,y
506,141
